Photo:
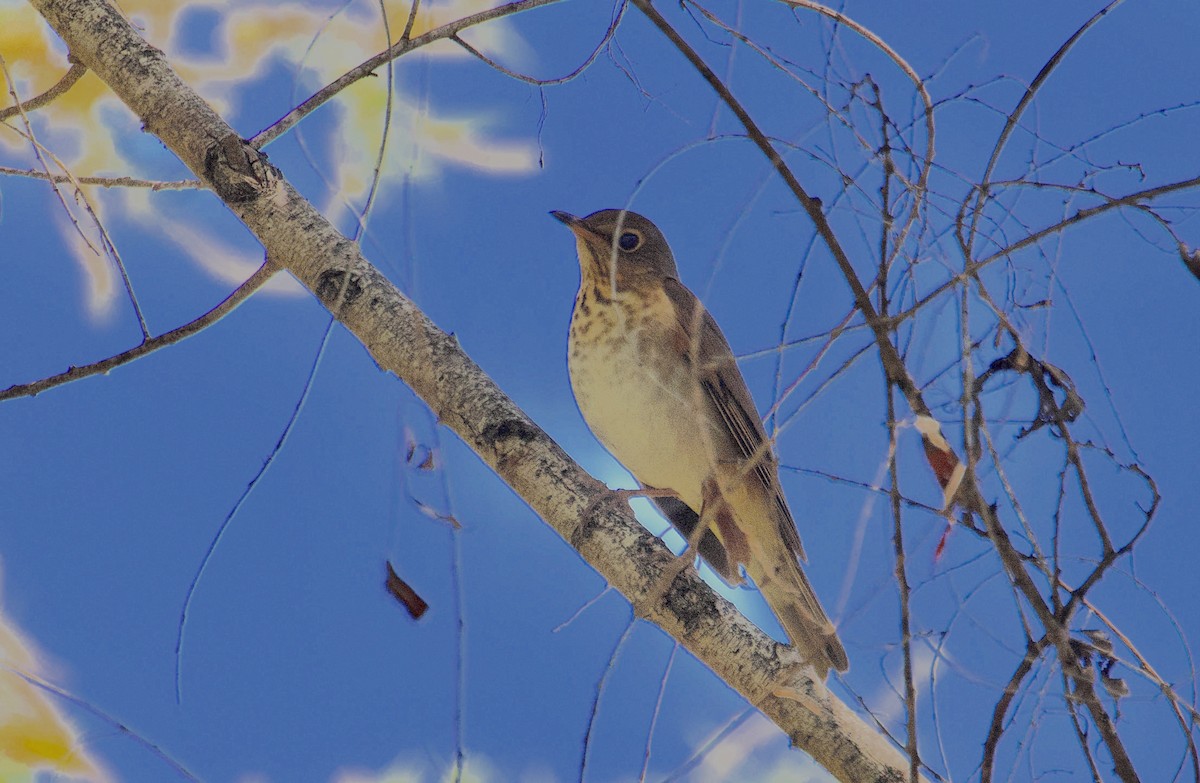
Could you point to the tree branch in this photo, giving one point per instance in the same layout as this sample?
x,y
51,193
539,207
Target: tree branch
x,y
402,340
150,345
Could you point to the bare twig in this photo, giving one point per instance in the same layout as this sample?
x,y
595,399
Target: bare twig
x,y
366,68
109,247
105,182
618,14
1015,115
1033,652
239,295
68,80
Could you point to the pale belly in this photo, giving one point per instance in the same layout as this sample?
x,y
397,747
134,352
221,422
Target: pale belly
x,y
636,406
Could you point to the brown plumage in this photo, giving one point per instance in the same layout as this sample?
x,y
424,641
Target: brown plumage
x,y
659,386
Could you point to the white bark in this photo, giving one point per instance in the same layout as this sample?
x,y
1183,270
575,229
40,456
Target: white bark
x,y
403,341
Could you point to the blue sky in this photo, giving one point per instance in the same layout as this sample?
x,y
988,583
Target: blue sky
x,y
297,665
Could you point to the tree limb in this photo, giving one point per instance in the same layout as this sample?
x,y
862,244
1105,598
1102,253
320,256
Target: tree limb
x,y
402,340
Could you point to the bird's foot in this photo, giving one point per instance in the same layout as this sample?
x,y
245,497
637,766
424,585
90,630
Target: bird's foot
x,y
659,588
626,495
662,584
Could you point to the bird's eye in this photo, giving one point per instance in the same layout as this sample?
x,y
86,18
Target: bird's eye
x,y
629,241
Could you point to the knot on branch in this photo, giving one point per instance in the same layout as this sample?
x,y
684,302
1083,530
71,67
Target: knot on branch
x,y
520,430
237,171
337,287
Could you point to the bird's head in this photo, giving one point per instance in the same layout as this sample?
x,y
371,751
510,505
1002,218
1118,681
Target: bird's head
x,y
617,245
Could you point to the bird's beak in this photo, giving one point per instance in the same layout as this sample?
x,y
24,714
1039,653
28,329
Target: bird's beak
x,y
564,217
576,225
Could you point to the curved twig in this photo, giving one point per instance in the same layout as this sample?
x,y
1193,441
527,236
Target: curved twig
x,y
367,67
984,186
239,295
73,74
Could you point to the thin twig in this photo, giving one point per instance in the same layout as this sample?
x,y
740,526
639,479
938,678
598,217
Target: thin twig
x,y
662,690
1010,124
239,295
367,68
618,14
105,182
73,74
110,248
1033,652
609,668
107,718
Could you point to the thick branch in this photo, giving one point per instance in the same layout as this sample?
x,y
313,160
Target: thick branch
x,y
402,340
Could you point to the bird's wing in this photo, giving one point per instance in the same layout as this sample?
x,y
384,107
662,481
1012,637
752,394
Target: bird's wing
x,y
722,381
779,576
776,570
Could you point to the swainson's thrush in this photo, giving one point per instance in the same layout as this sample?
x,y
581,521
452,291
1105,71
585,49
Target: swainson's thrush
x,y
659,386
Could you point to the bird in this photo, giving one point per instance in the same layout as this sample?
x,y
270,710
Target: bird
x,y
658,385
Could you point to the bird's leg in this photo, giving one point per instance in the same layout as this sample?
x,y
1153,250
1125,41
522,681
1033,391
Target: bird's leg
x,y
659,589
662,584
714,515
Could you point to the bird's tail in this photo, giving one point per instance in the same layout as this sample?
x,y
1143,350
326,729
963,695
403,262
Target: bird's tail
x,y
793,601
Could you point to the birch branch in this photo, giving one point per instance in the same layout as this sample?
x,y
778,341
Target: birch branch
x,y
402,340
